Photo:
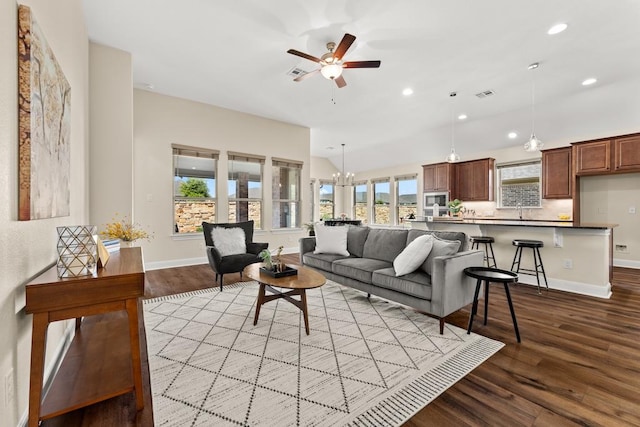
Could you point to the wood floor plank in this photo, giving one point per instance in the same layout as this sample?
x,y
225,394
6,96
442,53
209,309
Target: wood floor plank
x,y
578,362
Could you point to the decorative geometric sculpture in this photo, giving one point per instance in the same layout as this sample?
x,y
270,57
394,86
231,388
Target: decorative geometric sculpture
x,y
77,250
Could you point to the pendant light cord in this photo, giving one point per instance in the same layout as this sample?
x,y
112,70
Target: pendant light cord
x,y
453,122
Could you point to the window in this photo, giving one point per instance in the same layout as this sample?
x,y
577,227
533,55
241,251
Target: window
x,y
285,193
245,188
327,207
519,184
360,201
194,188
382,198
406,196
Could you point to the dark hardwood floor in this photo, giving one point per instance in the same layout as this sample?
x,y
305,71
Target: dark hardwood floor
x,y
578,363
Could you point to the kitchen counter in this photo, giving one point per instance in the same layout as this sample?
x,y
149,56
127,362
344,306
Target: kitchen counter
x,y
521,223
577,257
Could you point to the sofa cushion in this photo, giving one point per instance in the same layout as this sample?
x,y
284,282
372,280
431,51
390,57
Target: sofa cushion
x,y
358,268
356,236
331,240
417,284
320,261
384,244
444,235
440,248
413,255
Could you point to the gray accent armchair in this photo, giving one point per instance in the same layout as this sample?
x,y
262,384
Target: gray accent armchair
x,y
222,265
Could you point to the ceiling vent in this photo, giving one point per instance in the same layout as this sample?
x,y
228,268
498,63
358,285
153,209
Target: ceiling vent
x,y
485,93
296,72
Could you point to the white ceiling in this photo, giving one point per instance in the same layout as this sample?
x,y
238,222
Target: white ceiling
x,y
233,54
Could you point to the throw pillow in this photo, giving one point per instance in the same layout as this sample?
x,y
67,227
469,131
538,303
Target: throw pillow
x,y
413,255
229,241
331,240
440,248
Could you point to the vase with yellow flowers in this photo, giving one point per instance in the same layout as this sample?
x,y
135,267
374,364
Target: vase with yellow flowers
x,y
125,230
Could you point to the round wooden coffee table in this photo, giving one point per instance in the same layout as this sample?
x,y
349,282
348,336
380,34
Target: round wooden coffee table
x,y
305,279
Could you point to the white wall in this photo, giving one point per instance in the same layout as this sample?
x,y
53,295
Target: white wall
x,y
608,199
162,120
27,247
111,87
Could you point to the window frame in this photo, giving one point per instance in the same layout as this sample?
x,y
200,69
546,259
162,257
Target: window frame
x,y
374,182
245,158
323,183
499,183
178,151
293,202
398,179
354,207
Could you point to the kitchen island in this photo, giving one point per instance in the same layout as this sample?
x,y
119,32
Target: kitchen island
x,y
577,257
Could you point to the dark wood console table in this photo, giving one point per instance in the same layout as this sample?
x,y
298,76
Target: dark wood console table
x,y
332,222
107,295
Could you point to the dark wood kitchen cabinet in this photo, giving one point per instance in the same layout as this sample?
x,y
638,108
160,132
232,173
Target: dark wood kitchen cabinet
x,y
474,180
626,153
620,154
557,180
438,177
592,157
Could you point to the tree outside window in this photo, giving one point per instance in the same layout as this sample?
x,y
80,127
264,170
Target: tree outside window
x,y
326,198
194,188
360,202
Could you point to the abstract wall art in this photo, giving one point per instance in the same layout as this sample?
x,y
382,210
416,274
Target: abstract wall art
x,y
44,125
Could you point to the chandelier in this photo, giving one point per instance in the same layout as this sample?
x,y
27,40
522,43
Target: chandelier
x,y
343,179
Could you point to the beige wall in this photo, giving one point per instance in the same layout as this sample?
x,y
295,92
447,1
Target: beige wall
x,y
162,120
29,246
608,199
111,102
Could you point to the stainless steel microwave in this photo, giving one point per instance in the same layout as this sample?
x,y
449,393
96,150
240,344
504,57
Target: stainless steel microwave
x,y
441,198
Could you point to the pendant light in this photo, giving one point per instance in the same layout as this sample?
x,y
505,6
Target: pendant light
x,y
344,179
533,144
453,157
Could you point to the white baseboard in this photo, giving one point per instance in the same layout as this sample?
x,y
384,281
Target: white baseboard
x,y
626,263
598,291
185,262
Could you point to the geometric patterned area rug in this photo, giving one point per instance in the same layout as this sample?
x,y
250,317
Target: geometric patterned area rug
x,y
366,362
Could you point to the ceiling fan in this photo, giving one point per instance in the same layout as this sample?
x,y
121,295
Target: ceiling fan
x,y
331,64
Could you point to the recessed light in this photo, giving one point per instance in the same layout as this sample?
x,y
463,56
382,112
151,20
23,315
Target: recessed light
x,y
558,28
589,81
512,135
462,116
407,91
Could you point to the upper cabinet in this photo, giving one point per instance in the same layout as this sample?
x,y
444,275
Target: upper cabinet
x,y
557,179
615,155
627,153
438,177
592,158
474,180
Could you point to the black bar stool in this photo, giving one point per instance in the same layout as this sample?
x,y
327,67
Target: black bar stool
x,y
535,246
487,275
488,246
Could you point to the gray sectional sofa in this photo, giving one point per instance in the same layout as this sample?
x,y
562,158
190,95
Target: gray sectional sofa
x,y
369,268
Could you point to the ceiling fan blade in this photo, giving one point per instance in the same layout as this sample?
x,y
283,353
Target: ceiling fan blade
x,y
306,75
361,64
303,55
344,45
340,82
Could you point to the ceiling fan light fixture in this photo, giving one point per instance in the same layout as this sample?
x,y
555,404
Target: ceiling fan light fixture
x,y
331,71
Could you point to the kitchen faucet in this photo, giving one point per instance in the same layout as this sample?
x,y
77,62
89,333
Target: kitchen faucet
x,y
519,208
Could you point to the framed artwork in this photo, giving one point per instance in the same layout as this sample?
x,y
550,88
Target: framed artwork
x,y
44,125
